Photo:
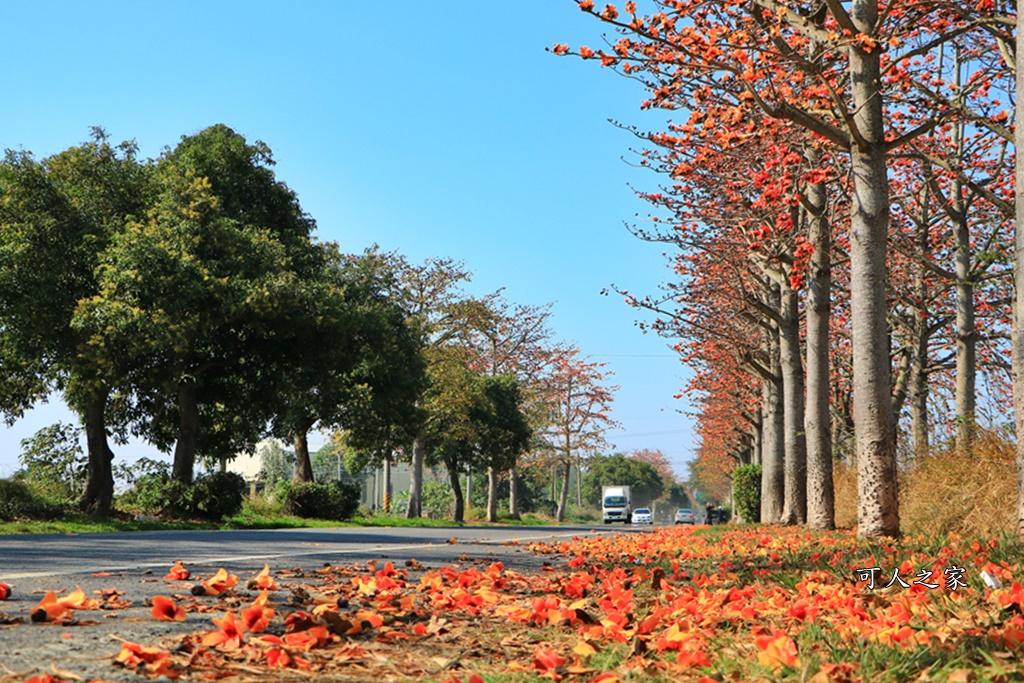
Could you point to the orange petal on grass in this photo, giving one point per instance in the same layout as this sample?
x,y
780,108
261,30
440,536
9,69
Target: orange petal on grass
x,y
164,609
546,658
777,650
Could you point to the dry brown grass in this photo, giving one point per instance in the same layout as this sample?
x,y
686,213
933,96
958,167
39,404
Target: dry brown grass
x,y
844,478
972,494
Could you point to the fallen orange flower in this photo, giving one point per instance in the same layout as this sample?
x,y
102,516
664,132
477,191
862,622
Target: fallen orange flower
x,y
164,609
216,584
263,580
178,573
44,678
257,617
545,659
229,637
777,650
5,591
49,609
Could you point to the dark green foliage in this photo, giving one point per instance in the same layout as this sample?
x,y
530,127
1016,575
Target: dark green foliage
x,y
217,495
747,492
618,470
333,500
19,501
210,497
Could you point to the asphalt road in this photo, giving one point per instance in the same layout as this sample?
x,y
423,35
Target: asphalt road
x,y
136,562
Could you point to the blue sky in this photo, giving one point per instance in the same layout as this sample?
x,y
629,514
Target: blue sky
x,y
434,129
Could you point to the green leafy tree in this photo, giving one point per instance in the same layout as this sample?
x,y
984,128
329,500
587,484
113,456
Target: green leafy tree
x,y
57,216
53,462
277,464
202,294
503,431
618,470
358,363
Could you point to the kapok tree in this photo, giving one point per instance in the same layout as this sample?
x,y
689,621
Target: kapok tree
x,y
820,66
579,403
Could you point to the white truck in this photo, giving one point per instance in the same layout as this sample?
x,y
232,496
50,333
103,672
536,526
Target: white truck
x,y
616,504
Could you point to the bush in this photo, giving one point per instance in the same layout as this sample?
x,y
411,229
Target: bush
x,y
747,492
158,494
19,501
211,497
333,500
217,495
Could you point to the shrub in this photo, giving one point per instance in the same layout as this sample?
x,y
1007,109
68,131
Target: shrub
x,y
217,495
333,500
158,494
19,501
747,492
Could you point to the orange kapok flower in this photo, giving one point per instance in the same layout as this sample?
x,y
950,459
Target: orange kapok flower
x,y
49,608
263,580
164,609
777,650
178,573
5,591
229,637
257,616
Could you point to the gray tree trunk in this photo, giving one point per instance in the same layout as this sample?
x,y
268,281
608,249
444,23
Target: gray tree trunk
x,y
563,495
772,472
874,425
513,494
919,426
419,454
966,336
1017,355
492,494
794,509
821,512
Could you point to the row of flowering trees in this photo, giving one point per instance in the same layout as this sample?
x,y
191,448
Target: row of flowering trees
x,y
839,188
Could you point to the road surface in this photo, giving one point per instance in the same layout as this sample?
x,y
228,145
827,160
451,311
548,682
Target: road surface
x,y
136,562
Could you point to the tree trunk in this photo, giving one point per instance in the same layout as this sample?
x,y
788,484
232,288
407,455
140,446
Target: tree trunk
x,y
492,495
303,464
874,426
772,472
188,431
817,423
758,436
563,495
795,443
919,371
460,501
966,335
98,494
1017,355
419,454
513,494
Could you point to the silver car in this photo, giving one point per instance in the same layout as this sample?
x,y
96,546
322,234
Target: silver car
x,y
685,516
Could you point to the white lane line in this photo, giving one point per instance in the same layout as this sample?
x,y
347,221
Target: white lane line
x,y
275,556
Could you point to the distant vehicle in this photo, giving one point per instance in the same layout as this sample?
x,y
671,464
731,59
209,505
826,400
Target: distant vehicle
x,y
685,516
616,504
642,516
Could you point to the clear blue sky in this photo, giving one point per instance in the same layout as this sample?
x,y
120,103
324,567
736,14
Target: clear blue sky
x,y
434,129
